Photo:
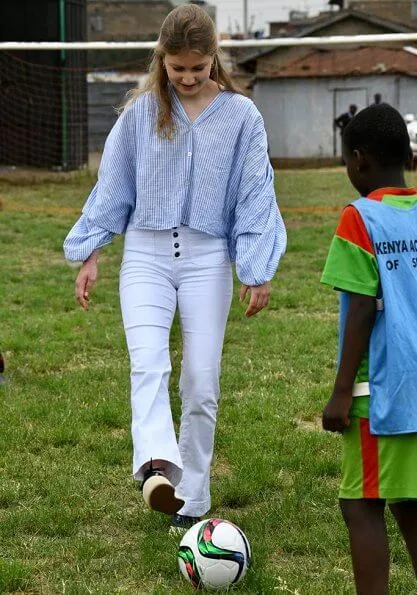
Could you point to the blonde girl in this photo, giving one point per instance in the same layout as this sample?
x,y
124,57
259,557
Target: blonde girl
x,y
185,175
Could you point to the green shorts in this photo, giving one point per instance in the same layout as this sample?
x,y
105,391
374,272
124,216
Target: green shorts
x,y
382,467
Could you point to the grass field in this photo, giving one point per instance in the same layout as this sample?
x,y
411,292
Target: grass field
x,y
71,519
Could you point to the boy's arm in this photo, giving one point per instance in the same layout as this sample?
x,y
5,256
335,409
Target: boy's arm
x,y
359,323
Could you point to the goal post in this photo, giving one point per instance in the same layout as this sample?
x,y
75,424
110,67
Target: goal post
x,y
330,40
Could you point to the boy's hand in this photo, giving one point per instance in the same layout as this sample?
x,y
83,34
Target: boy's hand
x,y
336,413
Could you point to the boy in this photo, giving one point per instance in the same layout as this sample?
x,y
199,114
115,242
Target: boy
x,y
373,262
343,120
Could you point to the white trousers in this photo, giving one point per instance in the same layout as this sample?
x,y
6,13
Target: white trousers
x,y
160,271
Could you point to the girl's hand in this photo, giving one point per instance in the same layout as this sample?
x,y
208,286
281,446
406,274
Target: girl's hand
x,y
259,297
85,281
336,413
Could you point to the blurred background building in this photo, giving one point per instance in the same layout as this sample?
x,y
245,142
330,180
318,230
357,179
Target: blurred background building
x,y
129,20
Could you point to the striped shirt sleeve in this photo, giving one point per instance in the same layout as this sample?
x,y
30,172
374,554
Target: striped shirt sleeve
x,y
259,230
84,238
114,197
351,263
112,200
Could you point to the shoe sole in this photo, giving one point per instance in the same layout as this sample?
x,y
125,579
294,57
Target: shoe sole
x,y
177,531
159,494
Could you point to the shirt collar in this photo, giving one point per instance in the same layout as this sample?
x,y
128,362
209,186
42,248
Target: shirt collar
x,y
381,192
179,110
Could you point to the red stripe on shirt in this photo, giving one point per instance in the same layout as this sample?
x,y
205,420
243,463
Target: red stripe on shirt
x,y
381,192
352,228
370,467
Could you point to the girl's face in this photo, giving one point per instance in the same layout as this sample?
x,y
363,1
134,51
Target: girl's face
x,y
188,72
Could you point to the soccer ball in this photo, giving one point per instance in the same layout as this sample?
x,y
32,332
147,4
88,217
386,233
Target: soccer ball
x,y
214,554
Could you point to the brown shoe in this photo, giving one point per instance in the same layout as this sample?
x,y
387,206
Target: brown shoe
x,y
159,493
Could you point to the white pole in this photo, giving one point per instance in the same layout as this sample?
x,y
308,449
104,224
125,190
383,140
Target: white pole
x,y
245,18
275,42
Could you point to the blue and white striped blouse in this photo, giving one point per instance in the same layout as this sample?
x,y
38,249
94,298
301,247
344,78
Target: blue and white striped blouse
x,y
213,176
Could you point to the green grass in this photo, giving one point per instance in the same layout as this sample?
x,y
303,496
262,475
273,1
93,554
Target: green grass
x,y
71,519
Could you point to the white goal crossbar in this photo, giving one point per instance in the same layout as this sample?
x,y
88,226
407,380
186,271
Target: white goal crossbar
x,y
225,43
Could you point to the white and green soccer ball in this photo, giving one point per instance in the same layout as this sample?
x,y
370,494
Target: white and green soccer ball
x,y
214,554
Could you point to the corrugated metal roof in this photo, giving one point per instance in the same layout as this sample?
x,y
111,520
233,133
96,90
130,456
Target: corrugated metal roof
x,y
317,24
349,62
117,76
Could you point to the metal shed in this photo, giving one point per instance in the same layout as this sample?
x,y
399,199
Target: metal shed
x,y
301,100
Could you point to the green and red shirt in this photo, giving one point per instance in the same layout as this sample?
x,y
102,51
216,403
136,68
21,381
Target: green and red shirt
x,y
352,267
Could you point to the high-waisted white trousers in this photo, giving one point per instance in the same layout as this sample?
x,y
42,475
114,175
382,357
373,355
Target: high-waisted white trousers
x,y
160,271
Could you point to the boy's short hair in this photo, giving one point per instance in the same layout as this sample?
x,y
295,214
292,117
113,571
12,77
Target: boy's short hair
x,y
380,131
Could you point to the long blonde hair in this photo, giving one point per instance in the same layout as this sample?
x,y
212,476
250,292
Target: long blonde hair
x,y
187,27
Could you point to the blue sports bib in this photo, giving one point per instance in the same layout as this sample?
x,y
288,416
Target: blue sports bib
x,y
393,343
